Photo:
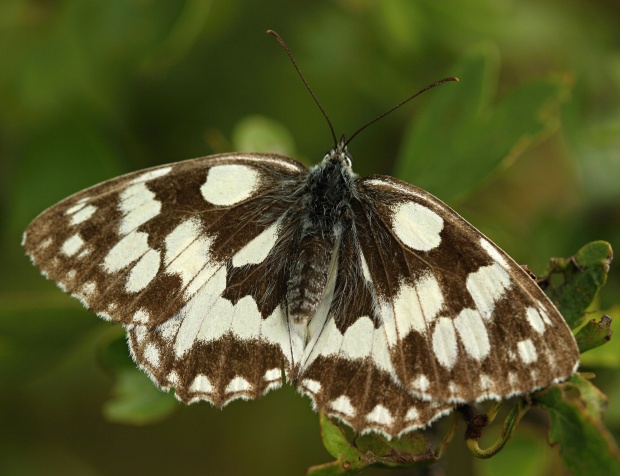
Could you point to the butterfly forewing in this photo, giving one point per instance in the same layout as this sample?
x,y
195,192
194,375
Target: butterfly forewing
x,y
463,321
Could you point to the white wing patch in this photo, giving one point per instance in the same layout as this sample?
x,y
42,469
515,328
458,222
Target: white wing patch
x,y
188,255
527,351
152,174
473,333
131,248
417,226
138,205
72,245
486,286
143,272
444,342
229,184
257,250
82,214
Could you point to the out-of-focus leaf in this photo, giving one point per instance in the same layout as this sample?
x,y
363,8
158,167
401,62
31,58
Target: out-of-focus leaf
x,y
594,334
475,136
576,409
136,399
572,283
257,133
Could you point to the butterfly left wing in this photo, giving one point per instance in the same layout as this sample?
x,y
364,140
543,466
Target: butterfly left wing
x,y
182,255
463,321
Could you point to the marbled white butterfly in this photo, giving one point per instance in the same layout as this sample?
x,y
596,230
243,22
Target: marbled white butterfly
x,y
378,300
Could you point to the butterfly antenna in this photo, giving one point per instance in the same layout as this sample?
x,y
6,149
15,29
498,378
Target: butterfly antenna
x,y
430,86
290,55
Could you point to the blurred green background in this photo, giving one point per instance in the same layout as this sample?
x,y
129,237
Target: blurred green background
x,y
526,147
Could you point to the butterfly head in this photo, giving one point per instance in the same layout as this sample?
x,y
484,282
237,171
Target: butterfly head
x,y
340,155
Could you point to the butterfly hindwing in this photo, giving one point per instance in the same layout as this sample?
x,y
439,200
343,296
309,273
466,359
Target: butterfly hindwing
x,y
346,367
463,321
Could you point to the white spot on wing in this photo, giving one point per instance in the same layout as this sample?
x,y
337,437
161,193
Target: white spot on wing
x,y
444,342
152,174
126,251
83,214
273,374
187,254
527,352
141,316
229,184
72,245
535,320
473,333
493,253
407,312
420,383
417,226
151,354
412,414
172,378
380,415
143,272
486,286
342,404
201,384
431,297
257,250
138,205
543,314
77,207
45,243
313,386
238,384
89,288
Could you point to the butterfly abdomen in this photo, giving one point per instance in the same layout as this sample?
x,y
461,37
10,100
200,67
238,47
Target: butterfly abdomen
x,y
308,277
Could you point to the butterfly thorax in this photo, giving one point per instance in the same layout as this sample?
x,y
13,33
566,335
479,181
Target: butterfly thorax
x,y
327,202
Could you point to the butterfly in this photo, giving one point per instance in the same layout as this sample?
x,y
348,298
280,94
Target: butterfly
x,y
235,272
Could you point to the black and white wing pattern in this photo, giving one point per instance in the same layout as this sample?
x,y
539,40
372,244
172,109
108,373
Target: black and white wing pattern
x,y
183,256
463,322
378,301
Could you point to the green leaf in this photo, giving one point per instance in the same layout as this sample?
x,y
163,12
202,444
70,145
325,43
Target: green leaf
x,y
136,399
576,409
573,283
463,134
256,133
348,458
594,334
356,453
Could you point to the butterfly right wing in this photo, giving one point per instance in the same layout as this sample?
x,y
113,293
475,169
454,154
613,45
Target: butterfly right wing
x,y
463,321
183,256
